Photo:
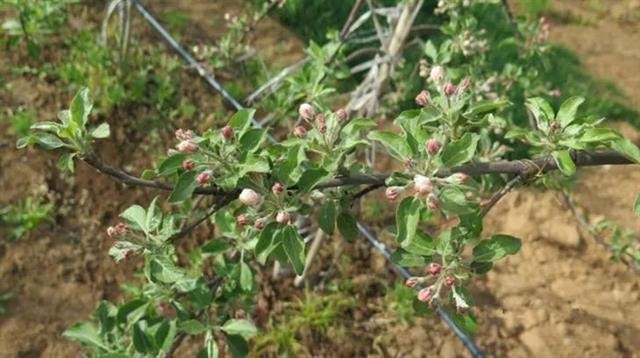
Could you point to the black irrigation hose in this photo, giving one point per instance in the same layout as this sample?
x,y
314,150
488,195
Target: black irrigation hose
x,y
466,340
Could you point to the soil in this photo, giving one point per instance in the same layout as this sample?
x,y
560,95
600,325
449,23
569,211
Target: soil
x,y
559,297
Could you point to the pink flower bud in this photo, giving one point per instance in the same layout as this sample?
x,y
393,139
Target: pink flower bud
x,y
187,164
432,202
425,294
449,281
241,220
432,145
283,217
458,178
319,118
342,114
187,146
464,84
227,132
299,131
422,99
434,268
259,224
306,111
422,184
436,74
111,231
393,192
411,282
555,93
249,197
121,228
409,162
203,177
182,134
322,127
277,188
127,253
449,89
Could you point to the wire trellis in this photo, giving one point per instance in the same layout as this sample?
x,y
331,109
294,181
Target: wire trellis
x,y
473,349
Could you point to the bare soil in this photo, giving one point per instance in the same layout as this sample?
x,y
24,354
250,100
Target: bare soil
x,y
559,297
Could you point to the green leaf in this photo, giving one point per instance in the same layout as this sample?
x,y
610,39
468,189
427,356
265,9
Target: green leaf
x,y
171,164
466,322
165,334
568,110
407,259
246,277
564,162
241,120
141,342
241,327
184,187
453,200
407,218
541,111
397,146
252,139
45,126
293,245
485,107
594,135
65,163
164,270
192,326
131,312
460,151
153,218
495,248
480,268
101,131
136,217
210,349
636,205
265,243
327,216
80,107
626,148
47,140
214,247
237,346
85,333
422,244
347,225
310,178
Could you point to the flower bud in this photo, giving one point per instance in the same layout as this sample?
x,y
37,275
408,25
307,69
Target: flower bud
x,y
299,131
227,132
555,93
283,217
393,192
111,231
422,184
432,145
249,197
409,162
464,84
411,282
259,224
449,281
182,134
422,99
449,89
434,268
306,111
457,178
187,146
319,118
277,188
342,114
127,253
187,164
436,74
203,177
425,294
241,220
432,202
322,127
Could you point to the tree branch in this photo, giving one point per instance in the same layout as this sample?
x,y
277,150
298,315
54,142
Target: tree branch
x,y
498,195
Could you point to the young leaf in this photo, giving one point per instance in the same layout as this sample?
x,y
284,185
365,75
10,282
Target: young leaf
x,y
454,201
241,120
310,178
327,216
293,245
246,277
265,243
101,131
422,244
252,139
407,218
542,112
240,327
210,349
593,135
141,342
626,148
395,144
466,322
81,107
85,333
460,151
406,259
184,187
136,217
495,248
348,226
65,163
636,205
568,110
47,140
171,164
192,326
564,162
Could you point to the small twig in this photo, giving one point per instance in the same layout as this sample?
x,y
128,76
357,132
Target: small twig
x,y
313,250
352,16
498,195
366,191
220,203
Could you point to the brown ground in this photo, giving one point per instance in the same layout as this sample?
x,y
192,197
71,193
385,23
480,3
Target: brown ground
x,y
559,296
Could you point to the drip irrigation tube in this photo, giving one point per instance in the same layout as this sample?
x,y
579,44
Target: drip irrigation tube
x,y
466,340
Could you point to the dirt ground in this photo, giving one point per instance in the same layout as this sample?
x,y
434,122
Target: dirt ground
x,y
559,297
